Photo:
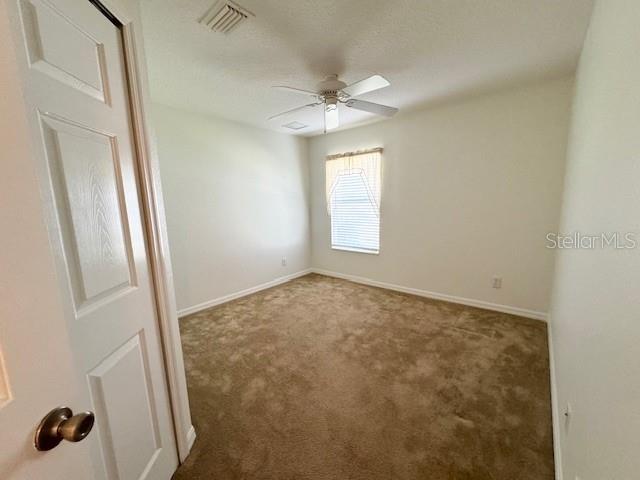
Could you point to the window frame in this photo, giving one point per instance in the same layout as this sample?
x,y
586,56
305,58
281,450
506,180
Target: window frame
x,y
372,196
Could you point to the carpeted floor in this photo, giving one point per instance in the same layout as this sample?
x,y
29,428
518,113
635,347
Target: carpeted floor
x,y
321,379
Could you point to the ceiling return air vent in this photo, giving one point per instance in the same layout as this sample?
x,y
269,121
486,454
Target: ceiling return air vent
x,y
295,125
224,16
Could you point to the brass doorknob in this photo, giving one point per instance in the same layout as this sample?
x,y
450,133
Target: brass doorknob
x,y
61,424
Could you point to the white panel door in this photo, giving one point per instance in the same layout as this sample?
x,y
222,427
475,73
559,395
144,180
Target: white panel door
x,y
76,93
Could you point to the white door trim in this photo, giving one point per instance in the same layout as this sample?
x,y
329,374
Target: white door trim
x,y
127,13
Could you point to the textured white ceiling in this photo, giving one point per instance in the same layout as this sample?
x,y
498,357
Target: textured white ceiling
x,y
429,50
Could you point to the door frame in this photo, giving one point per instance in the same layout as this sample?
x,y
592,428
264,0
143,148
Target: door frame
x,y
127,13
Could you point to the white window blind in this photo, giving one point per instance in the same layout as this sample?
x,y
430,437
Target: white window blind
x,y
353,188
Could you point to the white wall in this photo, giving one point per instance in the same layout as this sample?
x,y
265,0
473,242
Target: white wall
x,y
236,200
595,315
470,190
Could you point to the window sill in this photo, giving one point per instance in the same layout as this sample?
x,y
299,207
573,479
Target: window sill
x,y
356,250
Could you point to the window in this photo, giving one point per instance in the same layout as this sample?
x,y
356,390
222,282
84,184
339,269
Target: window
x,y
353,200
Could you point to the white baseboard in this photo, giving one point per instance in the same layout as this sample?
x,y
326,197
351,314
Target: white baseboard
x,y
191,437
522,312
241,293
367,281
555,412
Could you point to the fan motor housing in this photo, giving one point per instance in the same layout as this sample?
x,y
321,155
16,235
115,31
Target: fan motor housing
x,y
331,85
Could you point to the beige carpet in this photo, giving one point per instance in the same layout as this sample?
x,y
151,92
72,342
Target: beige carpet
x,y
325,379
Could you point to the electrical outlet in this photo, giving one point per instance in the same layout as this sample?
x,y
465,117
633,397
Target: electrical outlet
x,y
496,282
284,262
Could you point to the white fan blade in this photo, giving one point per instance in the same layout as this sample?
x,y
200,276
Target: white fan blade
x,y
295,90
293,110
372,107
374,82
331,119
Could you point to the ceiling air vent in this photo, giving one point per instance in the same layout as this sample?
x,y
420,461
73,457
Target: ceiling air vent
x,y
224,16
295,125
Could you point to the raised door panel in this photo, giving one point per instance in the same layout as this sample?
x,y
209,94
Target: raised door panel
x,y
60,49
122,397
85,173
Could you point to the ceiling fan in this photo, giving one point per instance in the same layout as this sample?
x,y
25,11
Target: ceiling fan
x,y
332,91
